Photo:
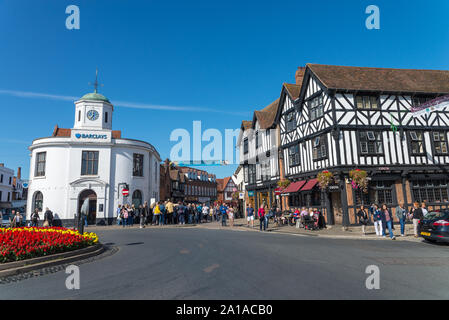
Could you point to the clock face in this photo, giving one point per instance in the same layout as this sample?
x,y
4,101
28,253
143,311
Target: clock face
x,y
92,115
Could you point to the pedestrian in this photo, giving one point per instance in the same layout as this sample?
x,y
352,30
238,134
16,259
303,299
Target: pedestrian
x,y
156,214
401,214
119,214
35,218
388,220
17,219
199,213
230,213
48,218
181,213
142,217
131,214
250,215
211,212
417,215
145,213
424,209
124,216
224,213
170,210
363,218
261,215
377,219
163,213
205,212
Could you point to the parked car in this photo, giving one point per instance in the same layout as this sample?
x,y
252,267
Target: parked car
x,y
435,226
7,216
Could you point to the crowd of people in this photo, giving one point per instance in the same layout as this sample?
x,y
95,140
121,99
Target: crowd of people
x,y
382,218
169,213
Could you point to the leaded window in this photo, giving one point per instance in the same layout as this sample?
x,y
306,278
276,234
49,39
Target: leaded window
x,y
319,150
416,142
430,190
370,142
439,139
291,121
367,102
316,106
293,155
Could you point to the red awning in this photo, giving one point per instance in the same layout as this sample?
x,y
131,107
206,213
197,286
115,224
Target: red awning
x,y
294,186
278,190
309,185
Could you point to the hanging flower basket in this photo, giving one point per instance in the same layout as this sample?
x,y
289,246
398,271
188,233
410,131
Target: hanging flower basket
x,y
284,183
359,179
324,179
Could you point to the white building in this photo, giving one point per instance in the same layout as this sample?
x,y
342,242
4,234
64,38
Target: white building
x,y
6,186
91,161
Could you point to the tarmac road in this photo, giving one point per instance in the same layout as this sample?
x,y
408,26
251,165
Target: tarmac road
x,y
201,263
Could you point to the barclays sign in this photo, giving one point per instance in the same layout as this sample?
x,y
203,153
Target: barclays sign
x,y
90,136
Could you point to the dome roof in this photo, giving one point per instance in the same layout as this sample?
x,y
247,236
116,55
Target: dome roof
x,y
95,96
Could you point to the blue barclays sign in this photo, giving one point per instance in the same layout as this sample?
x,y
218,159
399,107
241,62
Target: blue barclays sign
x,y
90,136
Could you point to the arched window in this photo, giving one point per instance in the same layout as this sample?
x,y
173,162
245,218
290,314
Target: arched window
x,y
38,201
137,198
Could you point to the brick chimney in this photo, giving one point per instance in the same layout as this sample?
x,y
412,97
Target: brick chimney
x,y
299,75
19,173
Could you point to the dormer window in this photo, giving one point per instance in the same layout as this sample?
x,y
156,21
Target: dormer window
x,y
316,107
290,121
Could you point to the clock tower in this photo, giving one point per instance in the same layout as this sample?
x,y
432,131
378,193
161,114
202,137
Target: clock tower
x,y
93,111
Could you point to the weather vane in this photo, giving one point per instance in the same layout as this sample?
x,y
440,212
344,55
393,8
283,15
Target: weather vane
x,y
96,84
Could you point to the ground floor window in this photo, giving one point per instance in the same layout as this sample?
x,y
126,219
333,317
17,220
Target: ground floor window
x,y
379,192
430,190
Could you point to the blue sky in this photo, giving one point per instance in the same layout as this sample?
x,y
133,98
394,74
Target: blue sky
x,y
229,57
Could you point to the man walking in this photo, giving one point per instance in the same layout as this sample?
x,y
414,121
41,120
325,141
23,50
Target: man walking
x,y
250,215
224,213
417,215
401,215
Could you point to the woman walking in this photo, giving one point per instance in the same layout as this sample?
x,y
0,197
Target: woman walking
x,y
388,220
124,216
261,214
231,216
363,218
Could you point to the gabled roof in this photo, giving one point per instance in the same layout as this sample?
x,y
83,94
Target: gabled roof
x,y
293,90
245,125
381,79
267,115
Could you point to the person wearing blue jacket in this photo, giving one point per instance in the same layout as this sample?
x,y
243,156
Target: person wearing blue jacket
x,y
377,218
224,213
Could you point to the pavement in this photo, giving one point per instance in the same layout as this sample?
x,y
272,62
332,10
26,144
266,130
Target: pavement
x,y
214,263
335,232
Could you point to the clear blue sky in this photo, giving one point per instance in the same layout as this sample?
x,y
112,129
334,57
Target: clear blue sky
x,y
227,56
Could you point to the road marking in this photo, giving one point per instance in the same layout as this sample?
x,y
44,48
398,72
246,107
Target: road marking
x,y
211,268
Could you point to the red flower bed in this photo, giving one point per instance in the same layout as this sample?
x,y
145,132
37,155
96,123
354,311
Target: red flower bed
x,y
24,243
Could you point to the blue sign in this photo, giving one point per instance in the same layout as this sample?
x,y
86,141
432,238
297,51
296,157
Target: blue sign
x,y
250,193
90,136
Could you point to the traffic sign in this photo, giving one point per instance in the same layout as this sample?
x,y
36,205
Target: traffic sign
x,y
125,192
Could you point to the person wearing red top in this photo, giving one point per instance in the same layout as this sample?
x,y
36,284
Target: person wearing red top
x,y
262,218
